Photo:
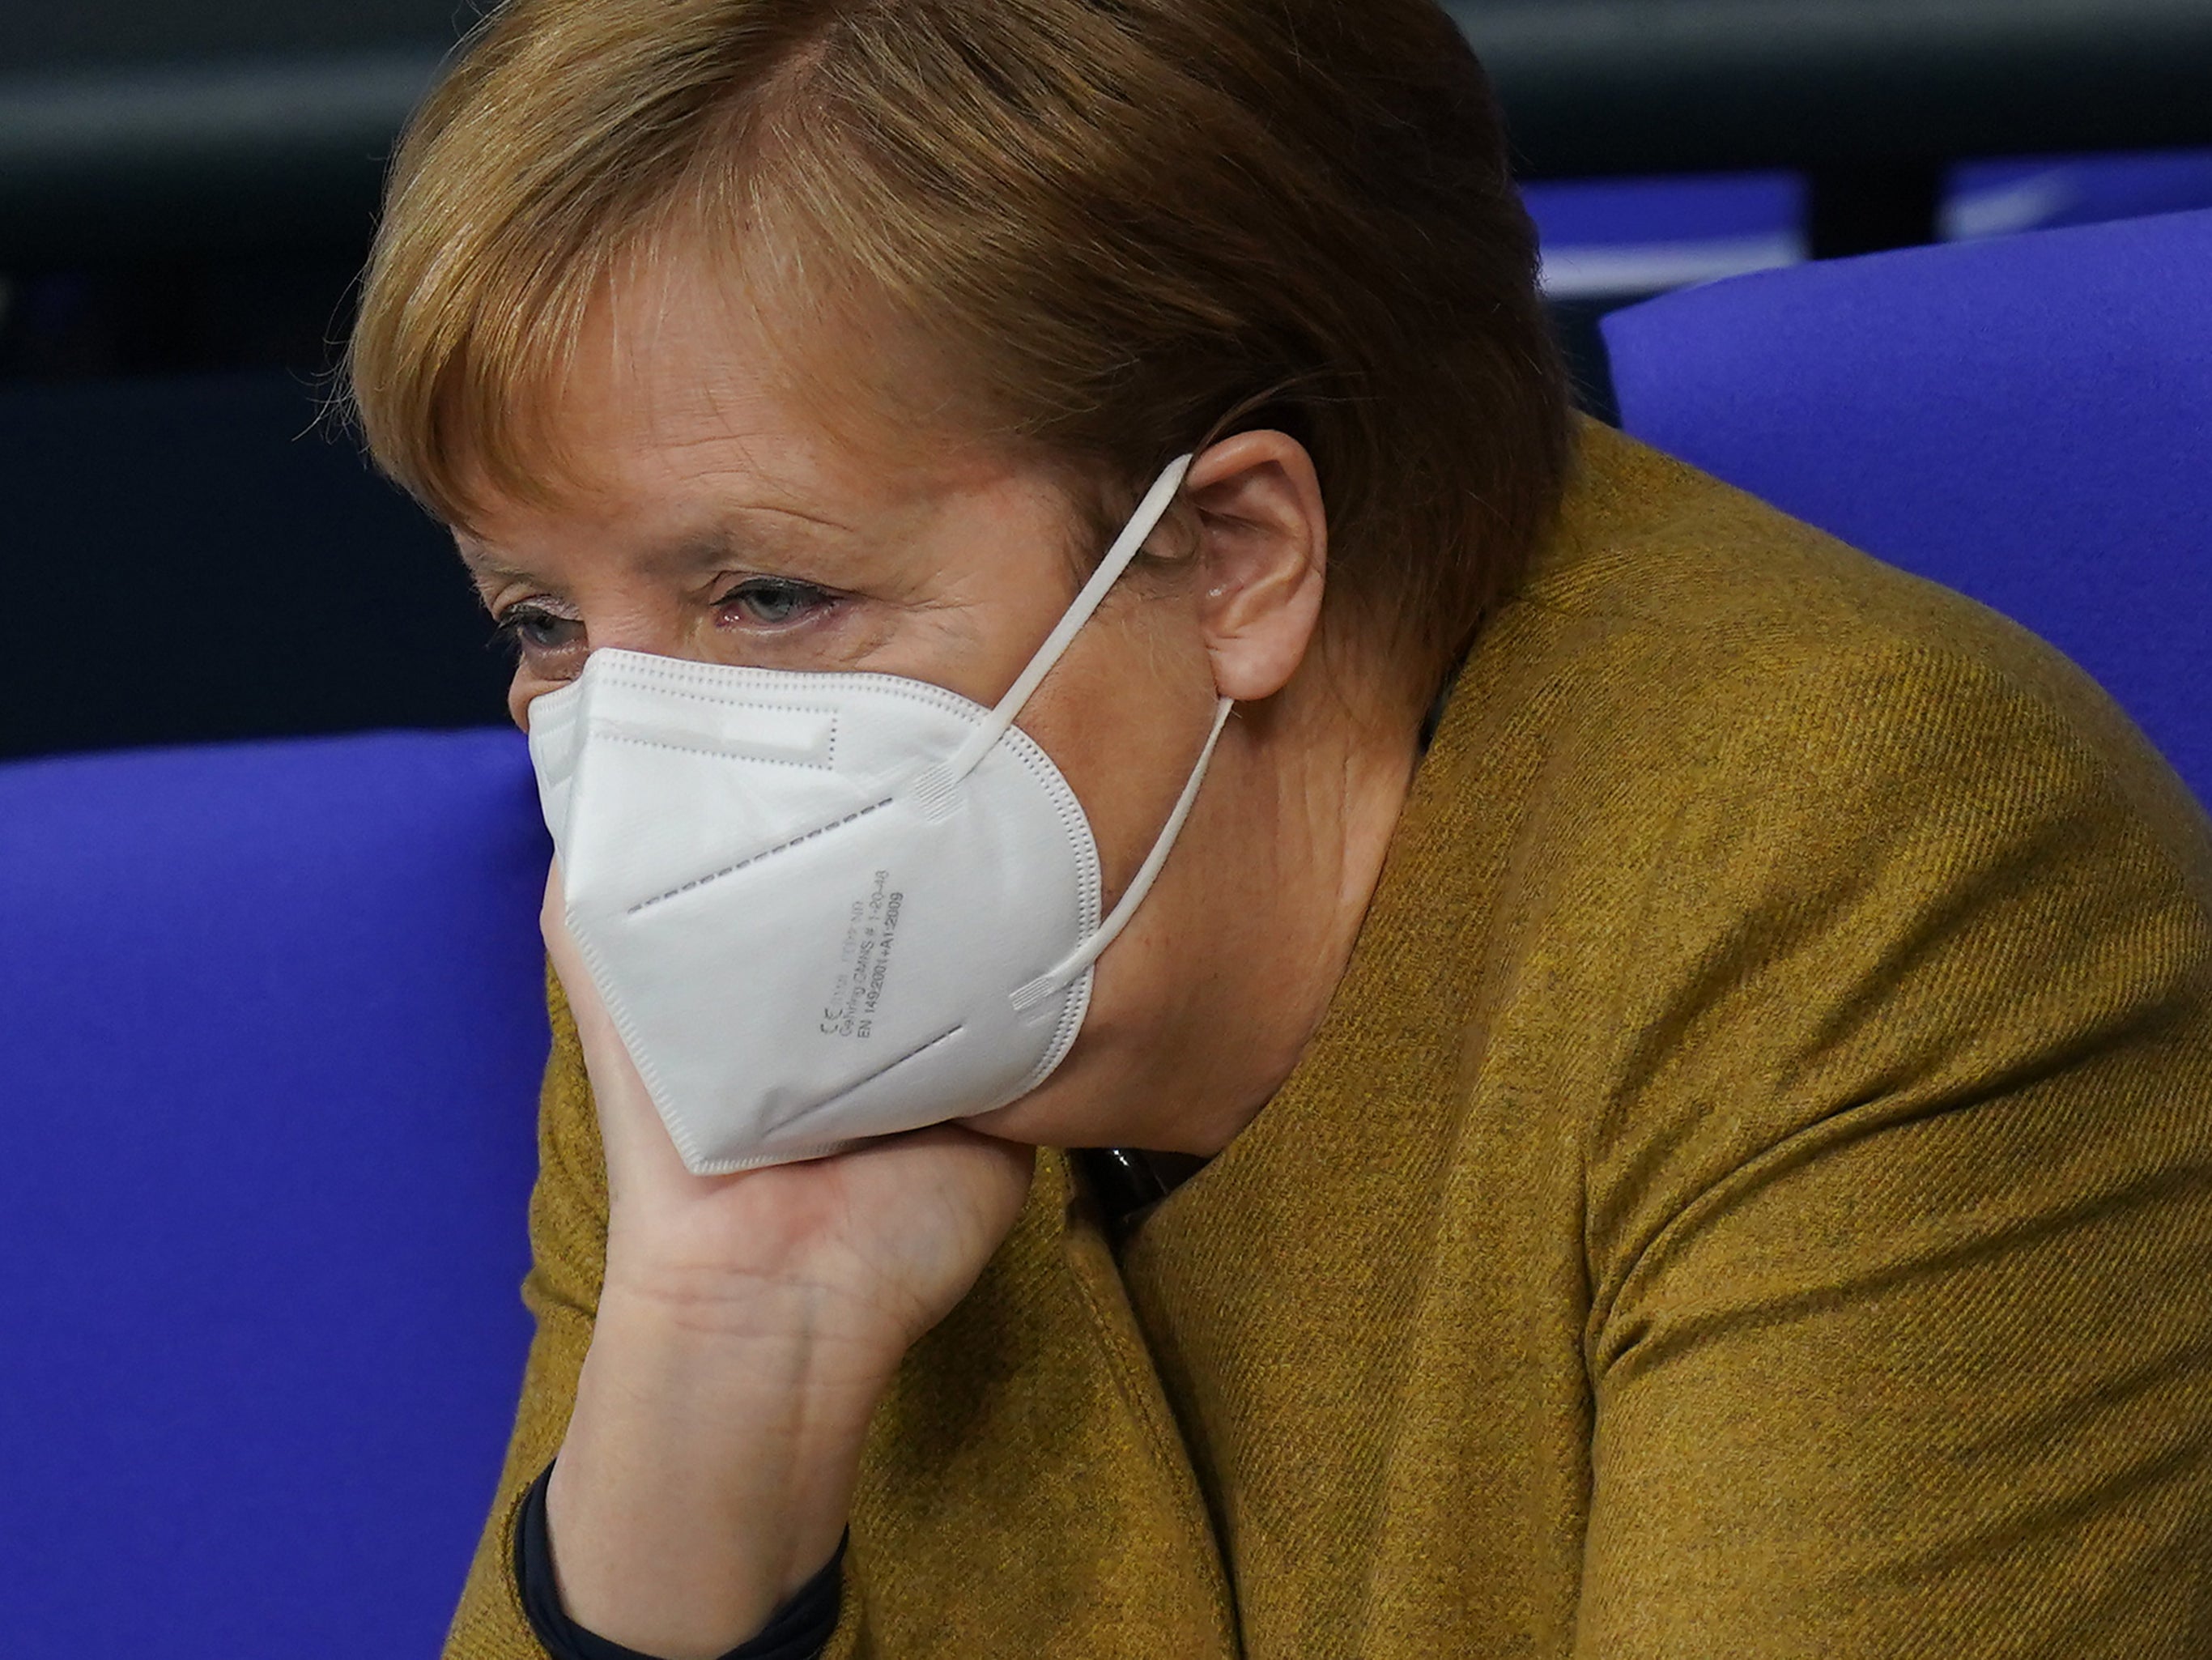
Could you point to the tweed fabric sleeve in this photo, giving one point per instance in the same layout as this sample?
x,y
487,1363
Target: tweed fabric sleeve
x,y
1900,1211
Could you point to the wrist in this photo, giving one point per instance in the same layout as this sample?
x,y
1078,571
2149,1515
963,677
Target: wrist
x,y
713,1284
741,1342
707,1469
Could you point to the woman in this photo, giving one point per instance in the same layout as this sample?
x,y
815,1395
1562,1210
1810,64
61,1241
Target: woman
x,y
1696,1049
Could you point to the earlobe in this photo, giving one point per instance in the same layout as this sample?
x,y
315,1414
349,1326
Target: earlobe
x,y
1264,531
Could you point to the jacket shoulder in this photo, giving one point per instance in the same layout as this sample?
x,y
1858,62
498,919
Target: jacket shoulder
x,y
1668,597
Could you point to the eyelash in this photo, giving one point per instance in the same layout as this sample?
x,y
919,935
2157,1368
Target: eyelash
x,y
509,629
808,599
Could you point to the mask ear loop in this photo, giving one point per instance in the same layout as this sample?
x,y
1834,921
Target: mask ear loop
x,y
1065,972
935,790
1153,508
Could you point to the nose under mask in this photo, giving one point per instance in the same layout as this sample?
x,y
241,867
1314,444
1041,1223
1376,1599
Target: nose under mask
x,y
824,908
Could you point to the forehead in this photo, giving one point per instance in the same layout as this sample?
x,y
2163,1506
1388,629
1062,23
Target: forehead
x,y
678,384
695,429
680,378
671,357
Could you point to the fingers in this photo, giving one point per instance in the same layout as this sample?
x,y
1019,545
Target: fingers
x,y
552,915
637,1147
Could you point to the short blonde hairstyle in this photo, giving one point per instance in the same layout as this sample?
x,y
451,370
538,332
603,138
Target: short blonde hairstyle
x,y
1129,228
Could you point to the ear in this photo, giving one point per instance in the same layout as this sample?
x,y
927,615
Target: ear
x,y
1263,560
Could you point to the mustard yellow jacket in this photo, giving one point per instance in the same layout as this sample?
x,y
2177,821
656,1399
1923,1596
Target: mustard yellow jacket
x,y
1751,1196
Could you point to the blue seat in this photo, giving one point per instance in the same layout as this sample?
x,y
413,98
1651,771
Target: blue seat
x,y
2027,420
271,1023
1997,198
1607,239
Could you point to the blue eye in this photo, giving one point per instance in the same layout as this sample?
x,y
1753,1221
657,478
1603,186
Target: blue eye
x,y
775,602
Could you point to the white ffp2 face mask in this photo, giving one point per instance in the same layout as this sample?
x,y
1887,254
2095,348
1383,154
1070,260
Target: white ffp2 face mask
x,y
826,907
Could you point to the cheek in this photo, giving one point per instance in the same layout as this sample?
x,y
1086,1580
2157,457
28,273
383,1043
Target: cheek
x,y
1124,717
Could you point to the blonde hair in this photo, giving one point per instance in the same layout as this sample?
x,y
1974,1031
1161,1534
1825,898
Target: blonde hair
x,y
1128,226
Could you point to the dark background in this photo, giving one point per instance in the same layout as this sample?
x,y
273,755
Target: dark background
x,y
192,549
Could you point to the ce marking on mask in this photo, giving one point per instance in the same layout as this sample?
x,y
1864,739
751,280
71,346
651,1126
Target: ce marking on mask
x,y
870,933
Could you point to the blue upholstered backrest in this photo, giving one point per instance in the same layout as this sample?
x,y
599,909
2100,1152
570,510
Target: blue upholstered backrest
x,y
271,1023
2027,420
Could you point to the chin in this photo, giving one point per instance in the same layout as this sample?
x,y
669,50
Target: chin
x,y
1029,1122
1086,1103
1059,1113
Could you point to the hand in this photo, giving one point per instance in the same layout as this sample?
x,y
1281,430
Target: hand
x,y
885,1238
747,1325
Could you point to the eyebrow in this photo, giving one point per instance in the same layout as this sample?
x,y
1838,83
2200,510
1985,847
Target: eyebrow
x,y
694,551
484,568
